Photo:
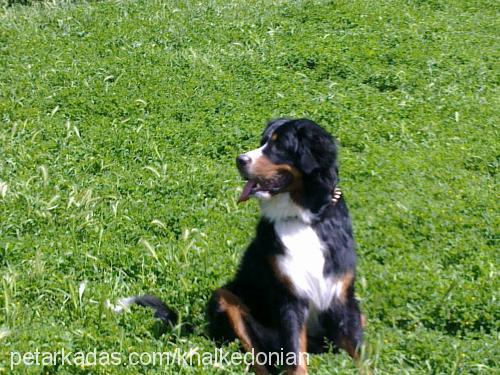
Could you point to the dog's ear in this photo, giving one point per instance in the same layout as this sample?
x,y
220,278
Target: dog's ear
x,y
318,150
307,161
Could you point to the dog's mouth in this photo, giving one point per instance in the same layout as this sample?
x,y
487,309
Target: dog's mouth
x,y
272,186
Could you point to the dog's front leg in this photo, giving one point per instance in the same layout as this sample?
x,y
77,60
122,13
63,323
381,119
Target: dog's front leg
x,y
293,335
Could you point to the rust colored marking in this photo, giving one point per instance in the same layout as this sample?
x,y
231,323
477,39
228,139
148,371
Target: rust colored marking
x,y
303,339
282,278
349,347
301,367
235,310
347,280
264,169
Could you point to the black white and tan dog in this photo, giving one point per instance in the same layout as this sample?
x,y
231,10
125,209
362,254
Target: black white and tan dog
x,y
294,289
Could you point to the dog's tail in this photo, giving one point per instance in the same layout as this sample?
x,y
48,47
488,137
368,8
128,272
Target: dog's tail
x,y
161,311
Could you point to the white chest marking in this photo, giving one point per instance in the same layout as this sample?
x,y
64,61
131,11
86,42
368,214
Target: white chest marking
x,y
281,207
303,264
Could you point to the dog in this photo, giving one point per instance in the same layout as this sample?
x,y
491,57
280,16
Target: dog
x,y
294,289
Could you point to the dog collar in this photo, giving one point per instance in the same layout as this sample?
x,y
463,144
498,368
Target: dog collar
x,y
336,195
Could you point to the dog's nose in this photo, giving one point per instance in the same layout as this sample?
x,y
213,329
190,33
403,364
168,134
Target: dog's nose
x,y
243,160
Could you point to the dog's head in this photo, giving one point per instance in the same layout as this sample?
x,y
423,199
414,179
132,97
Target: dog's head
x,y
296,156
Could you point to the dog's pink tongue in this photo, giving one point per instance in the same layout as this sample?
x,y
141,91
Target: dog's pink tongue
x,y
247,189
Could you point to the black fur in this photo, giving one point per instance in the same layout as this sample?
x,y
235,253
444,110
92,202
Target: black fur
x,y
312,150
273,314
273,307
161,310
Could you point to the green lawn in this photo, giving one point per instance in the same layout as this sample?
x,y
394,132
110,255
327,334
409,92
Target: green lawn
x,y
119,124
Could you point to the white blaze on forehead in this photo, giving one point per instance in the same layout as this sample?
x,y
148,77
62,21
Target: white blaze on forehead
x,y
255,154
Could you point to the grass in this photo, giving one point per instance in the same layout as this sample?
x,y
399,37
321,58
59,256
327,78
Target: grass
x,y
119,124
